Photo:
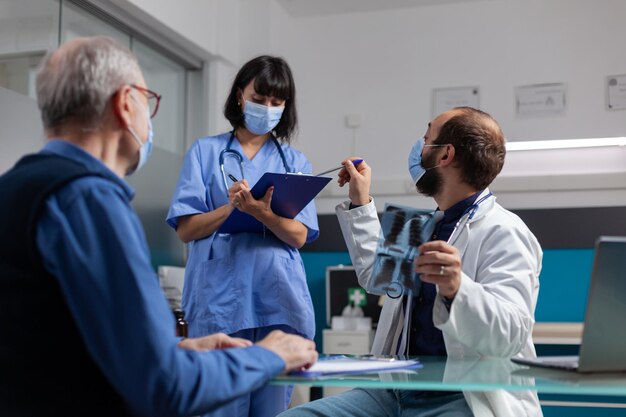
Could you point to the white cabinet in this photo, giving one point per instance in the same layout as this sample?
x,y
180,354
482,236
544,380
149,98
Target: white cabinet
x,y
352,342
349,342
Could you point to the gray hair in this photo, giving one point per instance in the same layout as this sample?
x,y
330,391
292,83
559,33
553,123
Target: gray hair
x,y
75,85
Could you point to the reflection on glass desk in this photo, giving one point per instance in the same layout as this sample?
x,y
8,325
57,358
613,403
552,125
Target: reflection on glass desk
x,y
474,374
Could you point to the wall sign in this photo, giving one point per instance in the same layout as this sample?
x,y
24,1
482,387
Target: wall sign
x,y
616,92
540,100
447,98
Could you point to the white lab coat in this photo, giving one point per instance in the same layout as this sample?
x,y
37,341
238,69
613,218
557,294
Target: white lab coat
x,y
493,310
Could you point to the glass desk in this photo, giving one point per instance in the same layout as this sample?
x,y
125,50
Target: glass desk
x,y
474,374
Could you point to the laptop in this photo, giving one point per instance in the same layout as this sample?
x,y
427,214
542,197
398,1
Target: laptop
x,y
603,345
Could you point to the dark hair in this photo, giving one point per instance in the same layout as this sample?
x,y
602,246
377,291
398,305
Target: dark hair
x,y
272,77
479,145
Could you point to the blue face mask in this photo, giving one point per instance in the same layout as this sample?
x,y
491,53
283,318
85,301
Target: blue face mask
x,y
145,149
416,169
260,119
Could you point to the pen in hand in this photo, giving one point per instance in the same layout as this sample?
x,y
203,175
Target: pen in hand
x,y
355,163
232,178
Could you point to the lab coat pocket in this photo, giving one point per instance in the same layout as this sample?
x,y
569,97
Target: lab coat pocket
x,y
216,288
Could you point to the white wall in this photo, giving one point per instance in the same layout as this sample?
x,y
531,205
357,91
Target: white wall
x,y
384,64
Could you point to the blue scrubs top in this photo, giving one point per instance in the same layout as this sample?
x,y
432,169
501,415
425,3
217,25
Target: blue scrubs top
x,y
92,242
241,280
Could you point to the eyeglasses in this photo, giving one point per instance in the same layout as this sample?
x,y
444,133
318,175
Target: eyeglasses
x,y
153,99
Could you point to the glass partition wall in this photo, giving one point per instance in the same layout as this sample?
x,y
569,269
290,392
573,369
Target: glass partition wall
x,y
30,28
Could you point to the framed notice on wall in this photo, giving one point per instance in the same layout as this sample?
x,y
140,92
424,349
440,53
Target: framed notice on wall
x,y
540,100
616,92
447,98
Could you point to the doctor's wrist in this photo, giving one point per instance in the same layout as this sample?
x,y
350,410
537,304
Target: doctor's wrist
x,y
358,202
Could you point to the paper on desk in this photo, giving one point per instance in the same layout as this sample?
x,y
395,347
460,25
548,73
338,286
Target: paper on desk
x,y
346,365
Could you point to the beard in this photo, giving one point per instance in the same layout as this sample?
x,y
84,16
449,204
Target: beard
x,y
430,184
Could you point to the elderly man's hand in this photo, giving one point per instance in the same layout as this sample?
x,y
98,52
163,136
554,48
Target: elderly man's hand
x,y
297,352
214,341
440,263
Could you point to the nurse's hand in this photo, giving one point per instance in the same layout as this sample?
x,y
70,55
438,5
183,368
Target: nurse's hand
x,y
214,341
290,231
260,208
297,352
440,263
236,188
359,179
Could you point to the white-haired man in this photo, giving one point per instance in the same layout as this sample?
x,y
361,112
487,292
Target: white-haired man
x,y
85,327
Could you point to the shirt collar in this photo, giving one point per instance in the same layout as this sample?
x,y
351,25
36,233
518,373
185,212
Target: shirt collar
x,y
77,154
455,212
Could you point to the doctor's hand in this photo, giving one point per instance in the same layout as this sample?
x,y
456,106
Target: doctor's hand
x,y
359,179
214,341
297,352
440,263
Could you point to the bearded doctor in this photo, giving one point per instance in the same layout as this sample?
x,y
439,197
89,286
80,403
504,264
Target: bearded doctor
x,y
479,273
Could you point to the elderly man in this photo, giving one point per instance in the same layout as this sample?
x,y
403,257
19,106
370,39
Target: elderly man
x,y
479,273
86,330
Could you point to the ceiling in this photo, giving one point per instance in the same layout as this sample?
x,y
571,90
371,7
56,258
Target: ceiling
x,y
307,8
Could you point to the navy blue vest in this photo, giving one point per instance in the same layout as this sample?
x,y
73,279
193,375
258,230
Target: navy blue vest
x,y
45,369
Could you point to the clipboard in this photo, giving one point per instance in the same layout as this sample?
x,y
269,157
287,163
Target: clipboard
x,y
292,192
342,365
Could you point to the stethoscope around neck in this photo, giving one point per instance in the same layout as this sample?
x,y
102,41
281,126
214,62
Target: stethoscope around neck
x,y
467,215
239,157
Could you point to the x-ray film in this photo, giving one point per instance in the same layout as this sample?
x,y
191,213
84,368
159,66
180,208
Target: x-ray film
x,y
404,229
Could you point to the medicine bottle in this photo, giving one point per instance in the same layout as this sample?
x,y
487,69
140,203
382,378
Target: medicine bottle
x,y
181,323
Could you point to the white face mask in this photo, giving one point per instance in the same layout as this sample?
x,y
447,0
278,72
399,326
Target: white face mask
x,y
145,148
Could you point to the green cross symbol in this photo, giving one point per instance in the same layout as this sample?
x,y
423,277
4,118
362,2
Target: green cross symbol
x,y
357,296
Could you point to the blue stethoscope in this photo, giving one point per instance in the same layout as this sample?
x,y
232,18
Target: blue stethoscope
x,y
228,151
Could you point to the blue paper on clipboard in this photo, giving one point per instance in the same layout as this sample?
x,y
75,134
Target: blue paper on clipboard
x,y
292,192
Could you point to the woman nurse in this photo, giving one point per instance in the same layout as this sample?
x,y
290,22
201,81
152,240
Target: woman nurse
x,y
246,284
